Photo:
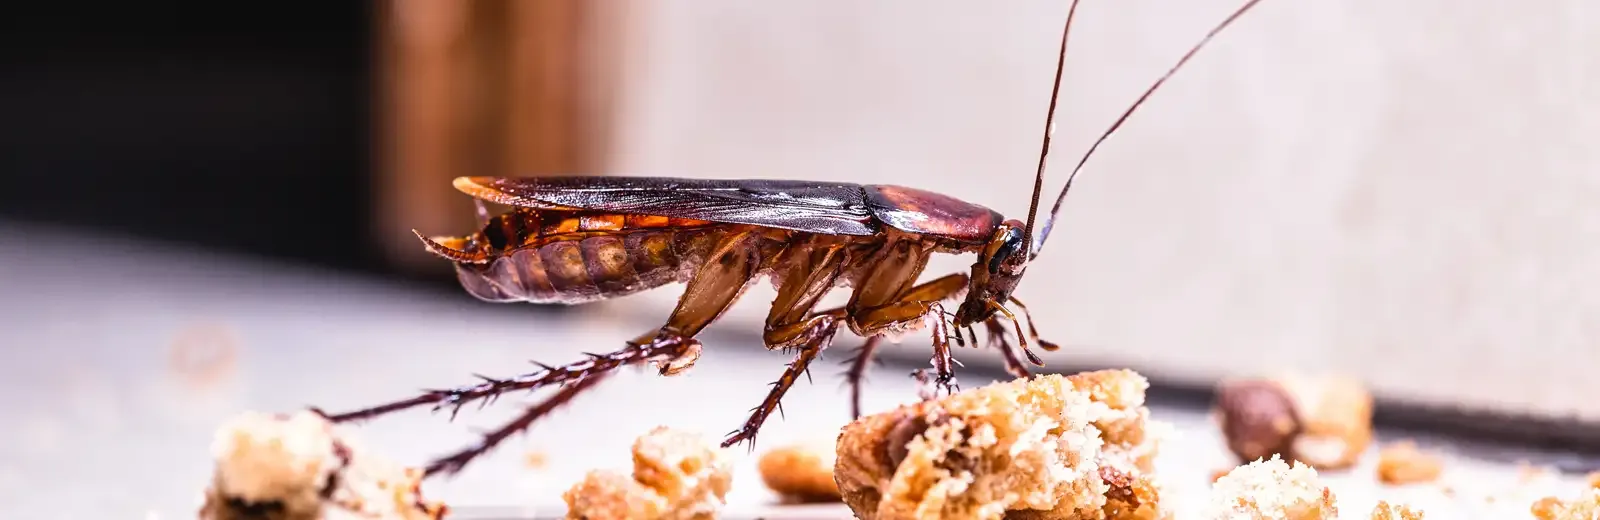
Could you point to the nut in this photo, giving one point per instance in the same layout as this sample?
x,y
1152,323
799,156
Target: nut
x,y
801,472
1403,463
1258,419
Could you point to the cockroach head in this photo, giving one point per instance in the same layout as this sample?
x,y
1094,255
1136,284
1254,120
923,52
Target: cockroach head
x,y
996,273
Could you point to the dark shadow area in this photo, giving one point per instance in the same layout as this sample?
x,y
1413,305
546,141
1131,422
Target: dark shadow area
x,y
242,127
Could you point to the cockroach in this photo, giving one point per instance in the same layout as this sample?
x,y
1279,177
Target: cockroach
x,y
572,240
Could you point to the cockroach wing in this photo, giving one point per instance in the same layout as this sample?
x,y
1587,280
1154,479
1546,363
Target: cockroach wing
x,y
810,206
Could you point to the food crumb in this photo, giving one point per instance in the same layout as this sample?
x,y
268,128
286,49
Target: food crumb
x,y
1585,507
1271,488
676,475
801,472
1387,511
1049,447
1403,463
298,467
535,459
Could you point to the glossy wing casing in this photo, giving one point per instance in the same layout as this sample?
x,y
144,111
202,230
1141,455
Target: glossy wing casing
x,y
810,206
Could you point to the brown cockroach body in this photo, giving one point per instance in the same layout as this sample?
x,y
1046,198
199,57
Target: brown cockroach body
x,y
571,240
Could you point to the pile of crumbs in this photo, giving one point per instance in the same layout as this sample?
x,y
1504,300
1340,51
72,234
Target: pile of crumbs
x,y
1081,446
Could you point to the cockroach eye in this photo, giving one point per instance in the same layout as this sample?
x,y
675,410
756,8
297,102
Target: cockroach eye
x,y
1011,246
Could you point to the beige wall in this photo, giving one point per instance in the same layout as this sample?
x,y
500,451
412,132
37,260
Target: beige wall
x,y
1407,190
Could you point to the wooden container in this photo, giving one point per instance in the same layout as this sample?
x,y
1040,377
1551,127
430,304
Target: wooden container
x,y
479,87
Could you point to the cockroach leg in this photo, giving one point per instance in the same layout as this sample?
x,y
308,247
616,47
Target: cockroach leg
x,y
857,373
1033,330
943,361
997,339
454,462
663,349
819,335
921,302
1022,341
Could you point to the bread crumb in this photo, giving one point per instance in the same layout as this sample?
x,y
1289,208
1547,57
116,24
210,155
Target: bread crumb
x,y
1585,507
1387,511
801,472
676,475
1050,447
535,459
1271,489
1218,473
297,467
1403,463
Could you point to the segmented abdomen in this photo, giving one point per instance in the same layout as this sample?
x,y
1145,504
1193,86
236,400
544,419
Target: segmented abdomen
x,y
575,268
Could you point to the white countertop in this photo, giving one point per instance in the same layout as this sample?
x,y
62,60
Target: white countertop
x,y
100,426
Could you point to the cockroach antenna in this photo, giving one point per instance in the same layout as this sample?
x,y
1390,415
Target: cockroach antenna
x,y
1037,241
1049,131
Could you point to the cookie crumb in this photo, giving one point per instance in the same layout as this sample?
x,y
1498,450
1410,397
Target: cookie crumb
x,y
1050,447
1403,463
297,467
1585,507
1271,488
676,475
1387,511
801,472
535,459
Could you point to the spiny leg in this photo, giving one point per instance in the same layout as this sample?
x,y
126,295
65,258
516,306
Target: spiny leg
x,y
673,348
667,349
454,462
997,339
921,302
943,359
857,373
818,338
1032,329
809,268
920,296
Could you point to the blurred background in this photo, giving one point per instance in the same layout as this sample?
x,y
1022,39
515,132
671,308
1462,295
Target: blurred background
x,y
1401,191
